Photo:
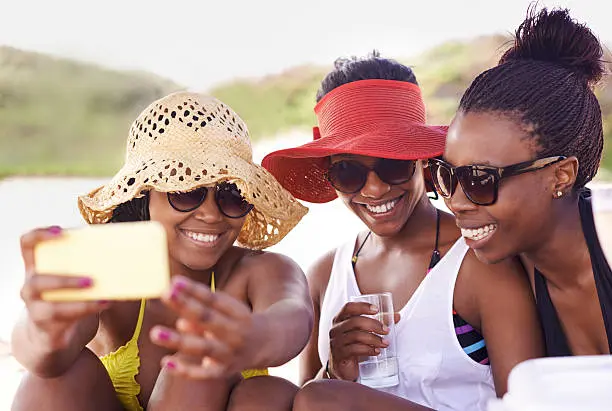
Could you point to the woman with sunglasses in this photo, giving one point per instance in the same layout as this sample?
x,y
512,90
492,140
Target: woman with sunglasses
x,y
526,140
188,167
462,324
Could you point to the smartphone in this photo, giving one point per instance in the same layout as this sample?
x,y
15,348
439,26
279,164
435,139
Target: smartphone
x,y
126,261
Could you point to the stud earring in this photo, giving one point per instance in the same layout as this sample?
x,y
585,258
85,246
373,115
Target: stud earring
x,y
559,194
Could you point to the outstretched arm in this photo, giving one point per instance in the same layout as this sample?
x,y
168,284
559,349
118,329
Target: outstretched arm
x,y
229,336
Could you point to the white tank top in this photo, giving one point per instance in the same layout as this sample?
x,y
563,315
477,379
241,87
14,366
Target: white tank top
x,y
434,369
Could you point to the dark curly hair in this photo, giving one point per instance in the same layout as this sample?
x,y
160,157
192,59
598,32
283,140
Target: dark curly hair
x,y
347,70
136,209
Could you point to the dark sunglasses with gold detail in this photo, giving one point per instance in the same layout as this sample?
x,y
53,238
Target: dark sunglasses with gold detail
x,y
480,183
228,197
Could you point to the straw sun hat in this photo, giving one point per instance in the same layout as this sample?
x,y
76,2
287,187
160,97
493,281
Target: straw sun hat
x,y
186,140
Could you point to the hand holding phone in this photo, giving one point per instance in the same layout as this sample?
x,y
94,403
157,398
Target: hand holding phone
x,y
125,261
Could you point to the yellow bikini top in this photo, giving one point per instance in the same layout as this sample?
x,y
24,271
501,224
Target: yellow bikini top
x,y
123,364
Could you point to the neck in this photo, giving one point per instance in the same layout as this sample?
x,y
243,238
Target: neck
x,y
421,221
563,256
202,276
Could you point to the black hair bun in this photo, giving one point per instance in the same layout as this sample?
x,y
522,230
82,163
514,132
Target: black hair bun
x,y
553,36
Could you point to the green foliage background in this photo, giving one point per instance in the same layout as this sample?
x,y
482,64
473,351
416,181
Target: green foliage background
x,y
62,117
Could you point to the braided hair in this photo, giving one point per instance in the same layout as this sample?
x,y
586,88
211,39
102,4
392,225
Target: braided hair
x,y
545,82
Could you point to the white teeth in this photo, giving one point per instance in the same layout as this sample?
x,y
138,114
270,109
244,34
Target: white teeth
x,y
478,233
383,208
204,238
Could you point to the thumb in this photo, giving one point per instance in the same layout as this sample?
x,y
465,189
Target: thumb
x,y
396,317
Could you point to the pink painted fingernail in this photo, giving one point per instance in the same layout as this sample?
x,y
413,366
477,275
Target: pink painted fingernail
x,y
170,365
180,284
55,230
163,335
85,282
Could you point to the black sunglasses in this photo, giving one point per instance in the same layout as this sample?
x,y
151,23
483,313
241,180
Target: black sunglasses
x,y
349,176
230,201
480,183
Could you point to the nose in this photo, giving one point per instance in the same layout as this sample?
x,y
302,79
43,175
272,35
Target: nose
x,y
459,203
208,212
374,186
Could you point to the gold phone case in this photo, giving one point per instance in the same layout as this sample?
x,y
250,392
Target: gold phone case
x,y
126,261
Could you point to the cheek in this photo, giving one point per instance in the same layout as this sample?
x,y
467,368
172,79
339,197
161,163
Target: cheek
x,y
416,186
236,224
161,212
521,209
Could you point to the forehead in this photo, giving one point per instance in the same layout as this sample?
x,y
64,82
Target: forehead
x,y
487,138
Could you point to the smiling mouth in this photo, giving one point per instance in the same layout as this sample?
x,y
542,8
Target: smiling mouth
x,y
202,238
478,233
382,208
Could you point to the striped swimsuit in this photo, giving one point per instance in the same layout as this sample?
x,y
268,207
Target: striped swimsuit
x,y
470,340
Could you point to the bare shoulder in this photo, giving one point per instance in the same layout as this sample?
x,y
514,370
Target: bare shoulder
x,y
270,277
319,272
268,263
248,270
483,287
505,280
279,266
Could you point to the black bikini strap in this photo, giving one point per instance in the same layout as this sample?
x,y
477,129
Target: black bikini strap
x,y
435,255
354,259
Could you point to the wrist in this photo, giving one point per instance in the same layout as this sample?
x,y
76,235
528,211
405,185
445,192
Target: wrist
x,y
328,374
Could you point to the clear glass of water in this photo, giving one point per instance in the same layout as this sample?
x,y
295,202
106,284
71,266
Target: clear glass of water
x,y
602,214
380,371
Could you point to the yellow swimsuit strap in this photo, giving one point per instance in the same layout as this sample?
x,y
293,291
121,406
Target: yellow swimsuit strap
x,y
143,302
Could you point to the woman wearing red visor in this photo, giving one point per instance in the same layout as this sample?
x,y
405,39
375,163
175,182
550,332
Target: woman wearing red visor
x,y
462,325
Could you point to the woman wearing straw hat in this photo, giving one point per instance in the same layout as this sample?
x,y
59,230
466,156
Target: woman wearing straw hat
x,y
462,324
189,167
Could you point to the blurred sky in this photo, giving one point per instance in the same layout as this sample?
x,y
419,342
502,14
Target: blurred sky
x,y
200,43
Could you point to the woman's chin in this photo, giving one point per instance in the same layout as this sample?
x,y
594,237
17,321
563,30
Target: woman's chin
x,y
189,263
490,256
